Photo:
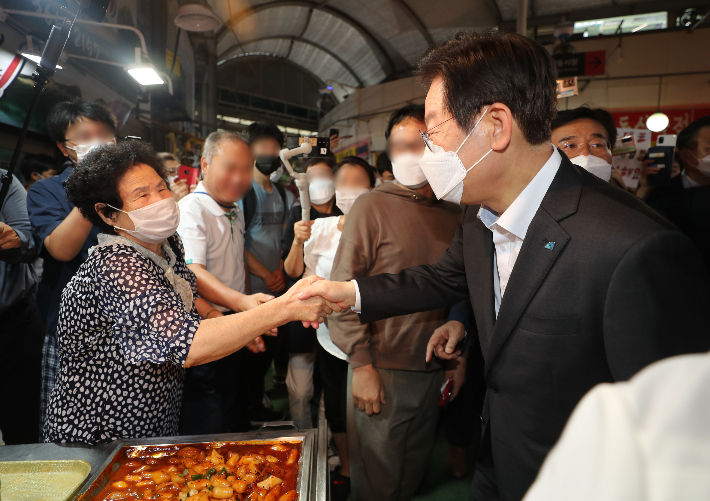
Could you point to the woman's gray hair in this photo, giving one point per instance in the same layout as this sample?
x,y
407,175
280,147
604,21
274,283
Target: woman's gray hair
x,y
213,141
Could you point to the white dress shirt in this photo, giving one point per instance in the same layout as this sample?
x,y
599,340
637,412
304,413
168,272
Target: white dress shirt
x,y
687,182
509,229
646,439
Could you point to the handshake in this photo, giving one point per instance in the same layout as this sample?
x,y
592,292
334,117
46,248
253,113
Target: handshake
x,y
312,299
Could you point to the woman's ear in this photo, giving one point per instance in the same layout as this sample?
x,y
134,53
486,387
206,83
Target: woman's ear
x,y
100,208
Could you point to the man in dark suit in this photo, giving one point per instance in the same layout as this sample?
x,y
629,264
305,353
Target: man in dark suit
x,y
573,282
685,202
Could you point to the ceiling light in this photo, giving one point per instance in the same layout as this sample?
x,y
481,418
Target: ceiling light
x,y
36,59
196,17
657,122
146,75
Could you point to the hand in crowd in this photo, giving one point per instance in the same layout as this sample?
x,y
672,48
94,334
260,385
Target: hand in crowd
x,y
444,340
180,189
618,178
456,370
341,222
644,190
301,232
368,389
276,281
334,142
8,237
311,311
256,345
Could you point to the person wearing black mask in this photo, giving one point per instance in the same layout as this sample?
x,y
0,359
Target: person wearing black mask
x,y
266,208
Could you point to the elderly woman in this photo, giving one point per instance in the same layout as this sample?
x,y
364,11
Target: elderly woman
x,y
130,319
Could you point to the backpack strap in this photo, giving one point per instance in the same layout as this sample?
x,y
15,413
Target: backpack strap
x,y
249,207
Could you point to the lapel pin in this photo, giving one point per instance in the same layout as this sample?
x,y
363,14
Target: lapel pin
x,y
550,245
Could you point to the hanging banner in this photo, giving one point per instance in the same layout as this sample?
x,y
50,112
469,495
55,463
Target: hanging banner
x,y
679,118
10,67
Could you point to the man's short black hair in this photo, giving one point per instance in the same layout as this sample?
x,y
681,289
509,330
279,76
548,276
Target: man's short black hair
x,y
96,178
259,130
479,69
415,111
599,115
688,137
352,160
37,163
384,164
66,113
329,161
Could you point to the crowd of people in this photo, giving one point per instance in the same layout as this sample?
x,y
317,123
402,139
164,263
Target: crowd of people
x,y
493,260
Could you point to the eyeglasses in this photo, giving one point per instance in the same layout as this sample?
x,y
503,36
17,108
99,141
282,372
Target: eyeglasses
x,y
574,148
427,138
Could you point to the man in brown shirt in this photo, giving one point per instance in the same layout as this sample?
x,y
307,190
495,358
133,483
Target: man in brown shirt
x,y
393,412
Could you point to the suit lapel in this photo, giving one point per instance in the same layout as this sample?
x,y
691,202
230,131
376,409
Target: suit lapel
x,y
481,279
544,242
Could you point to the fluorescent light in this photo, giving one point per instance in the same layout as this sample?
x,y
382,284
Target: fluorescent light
x,y
36,59
146,75
657,122
639,28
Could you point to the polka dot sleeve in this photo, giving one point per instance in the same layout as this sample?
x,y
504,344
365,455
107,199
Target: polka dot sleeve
x,y
150,320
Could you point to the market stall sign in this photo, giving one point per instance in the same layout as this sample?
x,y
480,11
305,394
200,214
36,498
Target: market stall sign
x,y
10,66
581,63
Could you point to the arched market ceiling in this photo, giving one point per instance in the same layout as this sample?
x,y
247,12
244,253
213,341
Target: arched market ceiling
x,y
363,42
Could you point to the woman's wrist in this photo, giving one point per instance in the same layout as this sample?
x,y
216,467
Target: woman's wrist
x,y
211,314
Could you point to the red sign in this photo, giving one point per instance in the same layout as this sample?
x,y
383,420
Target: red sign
x,y
679,119
595,62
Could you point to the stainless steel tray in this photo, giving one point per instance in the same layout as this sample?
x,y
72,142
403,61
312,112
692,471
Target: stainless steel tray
x,y
309,473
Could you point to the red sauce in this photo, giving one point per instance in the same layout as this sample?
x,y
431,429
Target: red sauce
x,y
205,472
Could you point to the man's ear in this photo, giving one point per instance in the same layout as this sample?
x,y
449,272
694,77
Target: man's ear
x,y
203,165
62,148
100,208
501,118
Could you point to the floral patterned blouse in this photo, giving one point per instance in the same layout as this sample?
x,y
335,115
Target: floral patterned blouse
x,y
126,323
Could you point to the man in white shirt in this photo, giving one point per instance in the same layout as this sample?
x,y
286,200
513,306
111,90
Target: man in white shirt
x,y
573,282
645,439
212,232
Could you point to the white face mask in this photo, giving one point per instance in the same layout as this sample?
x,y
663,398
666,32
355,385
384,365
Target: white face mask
x,y
407,172
345,198
594,165
83,149
321,190
378,181
155,222
276,175
444,170
171,179
704,165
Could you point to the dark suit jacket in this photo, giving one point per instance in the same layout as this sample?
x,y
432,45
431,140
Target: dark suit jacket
x,y
688,209
620,289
